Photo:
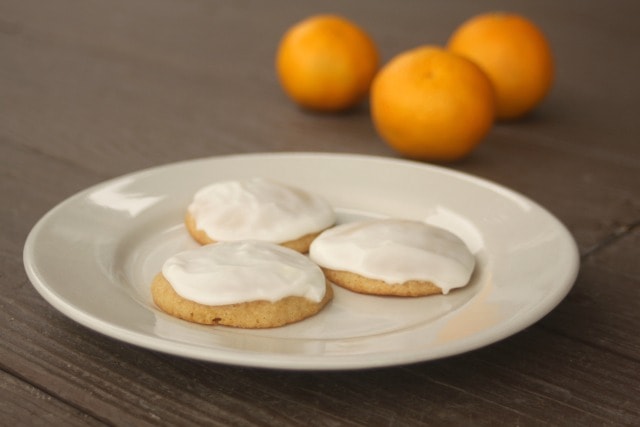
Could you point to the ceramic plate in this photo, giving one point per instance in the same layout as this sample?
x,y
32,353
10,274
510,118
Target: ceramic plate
x,y
93,257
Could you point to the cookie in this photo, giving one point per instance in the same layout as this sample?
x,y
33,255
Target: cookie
x,y
365,285
393,257
247,284
258,209
300,244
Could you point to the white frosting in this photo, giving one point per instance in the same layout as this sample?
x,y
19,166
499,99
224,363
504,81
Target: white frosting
x,y
259,209
236,272
396,251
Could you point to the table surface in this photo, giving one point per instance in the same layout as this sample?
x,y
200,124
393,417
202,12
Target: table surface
x,y
94,90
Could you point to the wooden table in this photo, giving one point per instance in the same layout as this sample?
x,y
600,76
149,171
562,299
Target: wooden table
x,y
93,90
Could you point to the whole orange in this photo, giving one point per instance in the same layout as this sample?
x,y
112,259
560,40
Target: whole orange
x,y
326,63
431,104
514,53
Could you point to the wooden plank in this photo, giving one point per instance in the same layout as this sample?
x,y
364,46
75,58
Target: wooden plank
x,y
22,404
544,375
602,307
89,370
533,377
593,196
155,113
617,254
108,368
158,102
33,182
519,379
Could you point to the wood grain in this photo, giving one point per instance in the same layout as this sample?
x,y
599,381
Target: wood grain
x,y
24,404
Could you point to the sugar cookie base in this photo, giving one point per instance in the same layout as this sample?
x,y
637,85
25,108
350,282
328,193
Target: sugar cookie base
x,y
301,244
252,314
364,285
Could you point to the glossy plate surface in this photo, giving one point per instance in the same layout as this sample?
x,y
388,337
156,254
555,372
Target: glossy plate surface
x,y
93,257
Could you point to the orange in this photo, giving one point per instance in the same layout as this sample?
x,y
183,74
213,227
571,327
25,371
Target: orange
x,y
514,53
430,104
326,63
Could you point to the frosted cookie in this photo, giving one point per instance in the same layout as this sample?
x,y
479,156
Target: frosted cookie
x,y
248,284
258,209
393,257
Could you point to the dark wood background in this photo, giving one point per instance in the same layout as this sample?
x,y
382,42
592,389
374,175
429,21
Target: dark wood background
x,y
90,90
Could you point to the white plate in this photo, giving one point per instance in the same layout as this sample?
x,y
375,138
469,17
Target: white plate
x,y
94,255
